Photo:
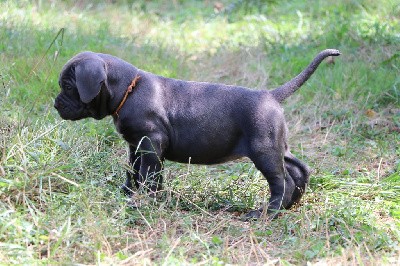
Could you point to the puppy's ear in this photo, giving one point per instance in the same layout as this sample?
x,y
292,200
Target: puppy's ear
x,y
89,75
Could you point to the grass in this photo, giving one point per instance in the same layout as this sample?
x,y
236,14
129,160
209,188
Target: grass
x,y
59,181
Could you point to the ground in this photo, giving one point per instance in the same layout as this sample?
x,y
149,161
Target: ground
x,y
60,201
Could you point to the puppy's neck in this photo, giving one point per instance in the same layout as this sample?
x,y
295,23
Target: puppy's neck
x,y
125,97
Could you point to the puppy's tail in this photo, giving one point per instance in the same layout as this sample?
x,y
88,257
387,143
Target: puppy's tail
x,y
287,89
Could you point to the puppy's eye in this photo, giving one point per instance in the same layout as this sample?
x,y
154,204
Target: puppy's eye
x,y
67,87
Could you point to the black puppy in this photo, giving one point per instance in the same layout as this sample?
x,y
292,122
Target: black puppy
x,y
185,121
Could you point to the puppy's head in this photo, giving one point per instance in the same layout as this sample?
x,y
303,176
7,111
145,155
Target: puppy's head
x,y
84,93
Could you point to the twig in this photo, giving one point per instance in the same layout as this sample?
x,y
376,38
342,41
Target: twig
x,y
194,204
171,250
44,133
65,179
60,32
379,170
145,220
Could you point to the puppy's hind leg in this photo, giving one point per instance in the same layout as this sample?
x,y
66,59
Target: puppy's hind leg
x,y
266,148
280,183
300,174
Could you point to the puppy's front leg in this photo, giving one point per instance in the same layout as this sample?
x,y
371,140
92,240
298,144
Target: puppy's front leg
x,y
134,162
151,165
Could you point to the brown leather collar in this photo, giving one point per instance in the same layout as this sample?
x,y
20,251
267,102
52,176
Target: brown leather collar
x,y
128,90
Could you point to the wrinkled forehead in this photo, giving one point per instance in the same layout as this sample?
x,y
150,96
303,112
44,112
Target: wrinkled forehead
x,y
69,66
68,70
67,73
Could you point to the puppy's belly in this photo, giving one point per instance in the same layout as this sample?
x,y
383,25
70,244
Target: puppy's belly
x,y
198,153
202,159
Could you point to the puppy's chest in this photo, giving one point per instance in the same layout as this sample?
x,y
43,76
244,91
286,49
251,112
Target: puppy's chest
x,y
123,128
131,131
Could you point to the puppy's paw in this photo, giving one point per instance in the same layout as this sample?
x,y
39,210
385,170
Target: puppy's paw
x,y
126,190
137,200
134,204
251,216
260,214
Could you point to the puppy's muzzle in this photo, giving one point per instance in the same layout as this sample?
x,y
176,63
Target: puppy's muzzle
x,y
57,104
68,108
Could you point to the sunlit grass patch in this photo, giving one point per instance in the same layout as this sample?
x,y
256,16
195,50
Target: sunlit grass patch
x,y
60,200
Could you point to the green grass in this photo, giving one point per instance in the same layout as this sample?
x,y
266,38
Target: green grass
x,y
60,201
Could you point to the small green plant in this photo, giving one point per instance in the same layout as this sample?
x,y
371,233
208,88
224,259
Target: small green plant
x,y
60,201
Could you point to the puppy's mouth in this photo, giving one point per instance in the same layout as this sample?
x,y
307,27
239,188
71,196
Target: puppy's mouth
x,y
67,114
70,110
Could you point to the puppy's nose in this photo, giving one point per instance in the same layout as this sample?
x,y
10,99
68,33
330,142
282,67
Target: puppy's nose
x,y
56,105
